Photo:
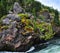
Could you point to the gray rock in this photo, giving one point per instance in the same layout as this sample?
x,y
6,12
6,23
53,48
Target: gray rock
x,y
47,16
6,21
13,16
13,24
2,35
17,8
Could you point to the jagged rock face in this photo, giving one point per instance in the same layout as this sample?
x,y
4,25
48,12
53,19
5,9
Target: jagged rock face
x,y
9,18
17,31
12,39
13,16
17,8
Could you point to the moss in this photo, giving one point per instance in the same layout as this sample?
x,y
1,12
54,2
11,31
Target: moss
x,y
25,21
23,15
29,28
48,34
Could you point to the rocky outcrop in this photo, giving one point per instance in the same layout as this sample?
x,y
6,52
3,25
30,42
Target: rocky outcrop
x,y
12,37
17,8
19,30
46,15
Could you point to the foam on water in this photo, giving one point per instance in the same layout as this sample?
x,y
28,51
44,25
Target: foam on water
x,y
54,47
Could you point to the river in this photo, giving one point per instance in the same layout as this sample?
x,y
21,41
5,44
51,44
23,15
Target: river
x,y
53,46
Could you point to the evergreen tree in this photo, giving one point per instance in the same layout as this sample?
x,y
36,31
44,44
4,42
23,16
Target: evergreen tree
x,y
56,18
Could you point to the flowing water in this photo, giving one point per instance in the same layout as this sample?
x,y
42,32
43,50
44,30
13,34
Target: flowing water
x,y
52,47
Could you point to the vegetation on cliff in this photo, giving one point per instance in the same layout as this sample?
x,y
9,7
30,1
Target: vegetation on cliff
x,y
25,24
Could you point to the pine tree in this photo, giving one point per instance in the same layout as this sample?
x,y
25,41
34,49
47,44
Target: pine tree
x,y
56,17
